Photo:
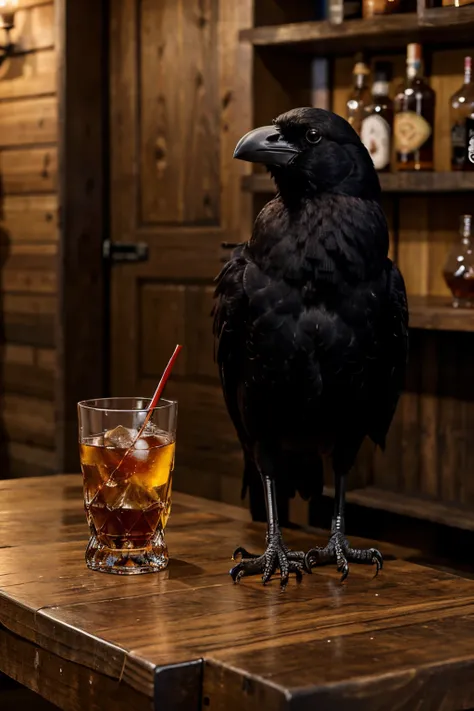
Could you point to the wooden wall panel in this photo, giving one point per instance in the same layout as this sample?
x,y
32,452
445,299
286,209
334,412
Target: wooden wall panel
x,y
32,170
184,317
28,245
31,218
34,28
30,74
179,141
32,121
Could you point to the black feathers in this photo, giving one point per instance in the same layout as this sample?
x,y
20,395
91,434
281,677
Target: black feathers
x,y
311,316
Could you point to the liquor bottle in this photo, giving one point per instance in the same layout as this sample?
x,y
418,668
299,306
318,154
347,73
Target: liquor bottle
x,y
376,131
459,268
340,10
379,7
359,98
414,117
462,122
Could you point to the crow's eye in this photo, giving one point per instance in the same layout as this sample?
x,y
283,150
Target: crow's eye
x,y
312,136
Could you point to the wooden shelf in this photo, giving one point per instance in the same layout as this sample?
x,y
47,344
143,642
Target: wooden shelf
x,y
442,25
424,509
437,314
448,182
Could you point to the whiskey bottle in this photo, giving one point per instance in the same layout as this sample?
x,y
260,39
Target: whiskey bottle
x,y
414,117
462,122
459,268
376,131
379,7
359,98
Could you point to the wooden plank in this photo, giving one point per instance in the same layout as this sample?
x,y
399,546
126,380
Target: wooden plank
x,y
437,313
82,81
439,182
28,420
183,317
28,75
28,121
31,170
19,280
235,63
29,319
59,628
378,32
34,28
419,507
179,172
30,219
24,379
76,688
27,460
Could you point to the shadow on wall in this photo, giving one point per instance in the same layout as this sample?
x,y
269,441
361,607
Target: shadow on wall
x,y
4,253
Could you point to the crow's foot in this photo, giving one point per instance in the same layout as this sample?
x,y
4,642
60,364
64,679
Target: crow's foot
x,y
276,557
339,551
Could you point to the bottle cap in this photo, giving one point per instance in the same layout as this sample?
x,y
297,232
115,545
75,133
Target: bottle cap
x,y
382,71
467,64
360,66
466,225
414,52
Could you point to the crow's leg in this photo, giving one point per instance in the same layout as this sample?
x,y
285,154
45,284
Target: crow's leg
x,y
277,555
338,549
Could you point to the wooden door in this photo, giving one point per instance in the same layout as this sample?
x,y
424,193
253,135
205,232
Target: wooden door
x,y
180,95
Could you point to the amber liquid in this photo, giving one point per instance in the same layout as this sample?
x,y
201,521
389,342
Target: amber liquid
x,y
127,501
462,288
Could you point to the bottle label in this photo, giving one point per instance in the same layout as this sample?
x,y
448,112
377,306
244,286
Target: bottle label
x,y
458,144
411,131
470,140
375,135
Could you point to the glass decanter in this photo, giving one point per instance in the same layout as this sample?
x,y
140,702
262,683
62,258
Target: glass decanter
x,y
459,268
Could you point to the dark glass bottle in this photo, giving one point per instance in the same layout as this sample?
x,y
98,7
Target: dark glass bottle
x,y
414,117
359,98
462,122
377,126
459,268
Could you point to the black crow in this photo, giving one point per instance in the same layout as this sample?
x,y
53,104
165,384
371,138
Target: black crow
x,y
311,323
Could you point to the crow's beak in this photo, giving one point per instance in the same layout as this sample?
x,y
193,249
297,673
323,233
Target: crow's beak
x,y
265,145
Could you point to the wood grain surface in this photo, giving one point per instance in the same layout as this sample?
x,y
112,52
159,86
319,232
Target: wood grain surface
x,y
188,636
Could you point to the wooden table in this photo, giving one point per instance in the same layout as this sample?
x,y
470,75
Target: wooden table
x,y
188,636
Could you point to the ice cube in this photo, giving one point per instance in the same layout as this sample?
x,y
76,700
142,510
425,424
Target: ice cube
x,y
120,437
140,451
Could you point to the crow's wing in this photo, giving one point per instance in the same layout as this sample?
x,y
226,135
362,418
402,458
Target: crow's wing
x,y
231,315
393,355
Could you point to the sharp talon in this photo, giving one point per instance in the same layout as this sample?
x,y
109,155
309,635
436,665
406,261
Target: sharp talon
x,y
299,575
345,573
283,584
377,560
243,553
276,557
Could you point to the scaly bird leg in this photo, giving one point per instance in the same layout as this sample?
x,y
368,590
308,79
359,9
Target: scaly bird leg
x,y
338,549
277,555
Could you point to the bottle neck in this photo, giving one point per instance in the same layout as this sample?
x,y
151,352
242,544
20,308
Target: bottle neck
x,y
413,68
467,75
465,229
380,88
359,81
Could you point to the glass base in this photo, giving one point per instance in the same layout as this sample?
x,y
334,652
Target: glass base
x,y
463,303
127,561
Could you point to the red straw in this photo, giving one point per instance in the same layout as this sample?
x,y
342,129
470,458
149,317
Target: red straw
x,y
156,397
154,402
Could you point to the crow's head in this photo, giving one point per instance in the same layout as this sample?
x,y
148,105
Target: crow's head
x,y
312,151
